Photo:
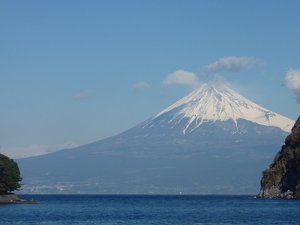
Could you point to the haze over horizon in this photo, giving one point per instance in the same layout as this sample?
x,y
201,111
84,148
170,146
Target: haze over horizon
x,y
74,72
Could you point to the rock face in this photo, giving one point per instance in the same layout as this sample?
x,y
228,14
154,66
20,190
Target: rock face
x,y
282,179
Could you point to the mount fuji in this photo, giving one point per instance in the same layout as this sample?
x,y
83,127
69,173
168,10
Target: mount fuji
x,y
213,141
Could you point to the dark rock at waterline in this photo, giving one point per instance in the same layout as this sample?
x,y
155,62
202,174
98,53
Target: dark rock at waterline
x,y
282,179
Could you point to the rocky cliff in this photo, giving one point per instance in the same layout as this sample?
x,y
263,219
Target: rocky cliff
x,y
282,179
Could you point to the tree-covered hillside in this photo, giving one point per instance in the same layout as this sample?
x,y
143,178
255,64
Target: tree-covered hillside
x,y
9,175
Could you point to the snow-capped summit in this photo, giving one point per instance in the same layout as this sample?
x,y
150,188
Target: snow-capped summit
x,y
217,102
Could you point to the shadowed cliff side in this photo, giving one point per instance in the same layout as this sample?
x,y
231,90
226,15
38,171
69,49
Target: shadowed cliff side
x,y
282,179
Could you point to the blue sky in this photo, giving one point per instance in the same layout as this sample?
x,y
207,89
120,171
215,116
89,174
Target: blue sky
x,y
73,72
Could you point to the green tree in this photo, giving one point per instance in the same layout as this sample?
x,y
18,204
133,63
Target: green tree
x,y
9,175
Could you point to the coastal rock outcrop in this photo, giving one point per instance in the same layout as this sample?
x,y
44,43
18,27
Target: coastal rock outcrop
x,y
282,179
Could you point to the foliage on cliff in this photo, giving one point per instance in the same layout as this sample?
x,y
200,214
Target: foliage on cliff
x,y
282,179
9,175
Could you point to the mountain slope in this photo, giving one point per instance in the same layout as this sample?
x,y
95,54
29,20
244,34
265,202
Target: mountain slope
x,y
212,141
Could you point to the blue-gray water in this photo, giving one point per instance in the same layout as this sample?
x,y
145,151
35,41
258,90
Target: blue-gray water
x,y
131,210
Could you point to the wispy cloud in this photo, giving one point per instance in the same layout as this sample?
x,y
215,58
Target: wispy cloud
x,y
232,64
27,151
292,82
82,95
141,85
34,150
181,77
67,145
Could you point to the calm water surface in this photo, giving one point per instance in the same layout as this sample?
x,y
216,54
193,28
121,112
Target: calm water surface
x,y
132,210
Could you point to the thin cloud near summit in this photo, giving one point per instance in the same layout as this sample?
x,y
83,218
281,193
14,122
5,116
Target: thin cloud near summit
x,y
141,85
229,63
181,77
232,64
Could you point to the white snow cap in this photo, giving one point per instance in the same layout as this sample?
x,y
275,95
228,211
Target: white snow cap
x,y
217,102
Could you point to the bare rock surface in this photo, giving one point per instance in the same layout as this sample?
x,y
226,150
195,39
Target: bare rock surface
x,y
282,179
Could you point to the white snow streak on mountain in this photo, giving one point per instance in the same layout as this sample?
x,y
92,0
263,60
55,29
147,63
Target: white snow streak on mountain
x,y
217,102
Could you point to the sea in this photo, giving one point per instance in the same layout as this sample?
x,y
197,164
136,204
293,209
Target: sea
x,y
150,209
